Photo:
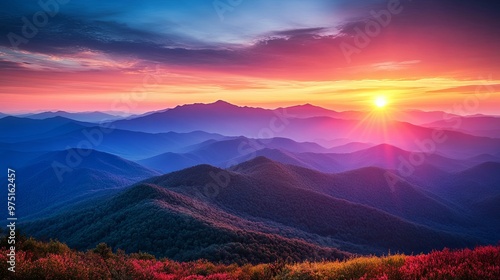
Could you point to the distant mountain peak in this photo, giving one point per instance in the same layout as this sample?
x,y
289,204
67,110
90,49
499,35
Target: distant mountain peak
x,y
222,102
216,104
309,105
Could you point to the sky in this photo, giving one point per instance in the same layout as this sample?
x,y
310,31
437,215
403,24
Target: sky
x,y
138,56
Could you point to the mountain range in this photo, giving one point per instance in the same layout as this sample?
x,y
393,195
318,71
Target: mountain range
x,y
260,199
227,119
245,184
94,117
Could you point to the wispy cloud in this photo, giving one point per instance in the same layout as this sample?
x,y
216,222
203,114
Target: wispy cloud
x,y
393,65
257,47
469,89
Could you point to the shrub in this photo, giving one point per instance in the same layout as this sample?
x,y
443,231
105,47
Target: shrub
x,y
54,260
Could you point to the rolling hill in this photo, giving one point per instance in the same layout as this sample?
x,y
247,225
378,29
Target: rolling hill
x,y
172,225
367,186
259,209
58,179
16,159
127,144
22,129
472,185
226,152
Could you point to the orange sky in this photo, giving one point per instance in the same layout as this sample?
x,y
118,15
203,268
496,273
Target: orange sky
x,y
429,56
159,88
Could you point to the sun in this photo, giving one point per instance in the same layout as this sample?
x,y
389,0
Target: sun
x,y
380,102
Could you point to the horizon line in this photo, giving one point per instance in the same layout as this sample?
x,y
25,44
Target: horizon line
x,y
125,114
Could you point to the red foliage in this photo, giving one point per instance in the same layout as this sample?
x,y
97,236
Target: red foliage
x,y
480,263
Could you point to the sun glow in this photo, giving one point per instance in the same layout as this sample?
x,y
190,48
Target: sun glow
x,y
380,102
